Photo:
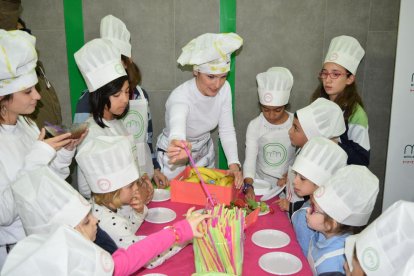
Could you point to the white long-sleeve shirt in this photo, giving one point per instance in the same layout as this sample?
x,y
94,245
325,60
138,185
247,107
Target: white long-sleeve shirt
x,y
20,151
191,116
257,128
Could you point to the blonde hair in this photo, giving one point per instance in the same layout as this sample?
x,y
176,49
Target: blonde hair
x,y
108,198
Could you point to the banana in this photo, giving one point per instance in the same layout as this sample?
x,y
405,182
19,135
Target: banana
x,y
210,173
226,181
193,179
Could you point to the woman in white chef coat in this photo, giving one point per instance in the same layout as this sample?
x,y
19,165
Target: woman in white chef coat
x,y
199,105
23,146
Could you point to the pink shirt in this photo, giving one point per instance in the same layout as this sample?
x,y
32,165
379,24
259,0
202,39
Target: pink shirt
x,y
129,260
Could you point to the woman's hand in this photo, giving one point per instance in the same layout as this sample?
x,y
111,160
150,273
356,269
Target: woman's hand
x,y
160,179
56,142
234,170
176,152
194,219
75,142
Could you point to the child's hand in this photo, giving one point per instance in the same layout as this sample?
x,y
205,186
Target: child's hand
x,y
284,204
56,142
282,181
160,179
250,194
194,219
137,203
147,189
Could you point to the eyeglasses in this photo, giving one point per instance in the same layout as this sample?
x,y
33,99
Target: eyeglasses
x,y
314,211
333,75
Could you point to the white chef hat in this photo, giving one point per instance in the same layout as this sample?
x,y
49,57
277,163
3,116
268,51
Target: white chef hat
x,y
408,268
99,62
274,86
108,163
64,252
349,195
113,29
210,53
44,201
322,118
319,159
345,51
17,61
384,247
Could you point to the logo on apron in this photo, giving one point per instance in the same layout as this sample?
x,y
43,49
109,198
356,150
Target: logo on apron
x,y
134,123
274,154
370,259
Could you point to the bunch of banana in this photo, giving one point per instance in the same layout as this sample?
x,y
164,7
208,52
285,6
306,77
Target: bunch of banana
x,y
210,176
225,181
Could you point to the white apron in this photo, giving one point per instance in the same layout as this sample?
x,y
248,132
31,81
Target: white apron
x,y
314,264
275,155
136,123
202,151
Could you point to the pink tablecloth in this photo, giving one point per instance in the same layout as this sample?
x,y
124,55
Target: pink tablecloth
x,y
183,263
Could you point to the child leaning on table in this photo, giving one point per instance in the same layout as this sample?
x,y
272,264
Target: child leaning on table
x,y
386,246
268,148
62,228
338,209
110,170
318,160
321,118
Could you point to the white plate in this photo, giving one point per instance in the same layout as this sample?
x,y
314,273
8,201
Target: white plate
x,y
155,274
261,187
272,193
161,195
270,238
280,263
160,215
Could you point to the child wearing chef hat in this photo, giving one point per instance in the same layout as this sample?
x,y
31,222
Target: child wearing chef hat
x,y
385,247
321,118
338,209
269,151
338,84
61,227
110,170
318,160
114,30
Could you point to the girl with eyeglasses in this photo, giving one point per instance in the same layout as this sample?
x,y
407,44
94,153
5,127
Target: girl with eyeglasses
x,y
337,83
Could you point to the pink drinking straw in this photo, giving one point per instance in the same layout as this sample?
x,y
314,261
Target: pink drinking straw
x,y
203,185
